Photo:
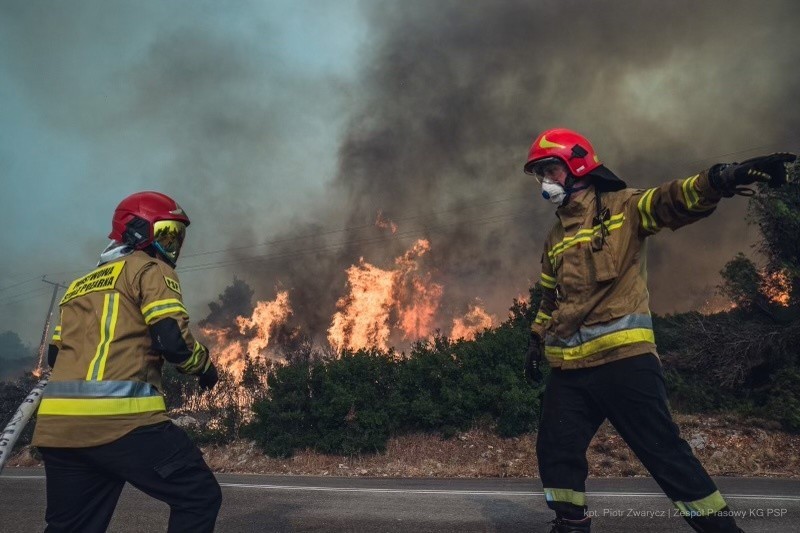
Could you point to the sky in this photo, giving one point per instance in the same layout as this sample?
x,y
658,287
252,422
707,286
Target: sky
x,y
284,127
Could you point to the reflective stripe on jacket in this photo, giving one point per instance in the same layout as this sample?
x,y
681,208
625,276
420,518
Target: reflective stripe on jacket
x,y
107,378
595,304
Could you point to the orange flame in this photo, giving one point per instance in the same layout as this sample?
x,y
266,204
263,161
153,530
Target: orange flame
x,y
364,316
229,351
226,352
473,322
716,304
777,287
385,223
266,316
416,318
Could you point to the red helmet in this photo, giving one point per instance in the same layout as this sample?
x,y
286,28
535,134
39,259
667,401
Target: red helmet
x,y
572,148
150,218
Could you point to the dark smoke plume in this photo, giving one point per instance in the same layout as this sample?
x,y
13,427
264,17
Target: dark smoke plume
x,y
449,96
453,93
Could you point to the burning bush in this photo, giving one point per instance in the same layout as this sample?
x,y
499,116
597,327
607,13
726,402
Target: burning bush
x,y
353,403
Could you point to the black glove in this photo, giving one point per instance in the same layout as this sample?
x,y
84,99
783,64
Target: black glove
x,y
533,358
729,178
208,378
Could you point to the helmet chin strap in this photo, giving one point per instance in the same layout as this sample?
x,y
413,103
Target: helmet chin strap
x,y
163,253
552,190
570,190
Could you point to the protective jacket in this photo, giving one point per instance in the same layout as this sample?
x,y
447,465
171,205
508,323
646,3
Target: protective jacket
x,y
112,339
595,303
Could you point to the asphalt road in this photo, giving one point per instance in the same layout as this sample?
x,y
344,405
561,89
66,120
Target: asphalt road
x,y
282,503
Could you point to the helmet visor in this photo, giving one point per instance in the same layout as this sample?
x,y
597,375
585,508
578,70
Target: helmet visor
x,y
549,167
169,235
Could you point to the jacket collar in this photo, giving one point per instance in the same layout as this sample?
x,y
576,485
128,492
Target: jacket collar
x,y
575,211
113,251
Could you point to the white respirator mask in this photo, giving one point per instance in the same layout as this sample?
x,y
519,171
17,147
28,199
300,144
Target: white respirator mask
x,y
553,191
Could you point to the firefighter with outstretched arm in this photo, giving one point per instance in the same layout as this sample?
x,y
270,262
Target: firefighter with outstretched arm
x,y
594,326
102,420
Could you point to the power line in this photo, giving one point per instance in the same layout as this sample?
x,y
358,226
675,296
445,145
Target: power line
x,y
348,228
313,235
394,237
193,268
13,301
15,296
20,283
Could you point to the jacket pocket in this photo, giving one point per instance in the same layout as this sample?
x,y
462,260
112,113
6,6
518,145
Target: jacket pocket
x,y
602,264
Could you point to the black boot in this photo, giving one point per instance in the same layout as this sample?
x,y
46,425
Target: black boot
x,y
719,522
562,525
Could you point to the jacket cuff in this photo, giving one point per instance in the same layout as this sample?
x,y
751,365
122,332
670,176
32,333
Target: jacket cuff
x,y
704,188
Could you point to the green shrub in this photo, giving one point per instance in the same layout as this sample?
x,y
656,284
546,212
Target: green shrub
x,y
782,399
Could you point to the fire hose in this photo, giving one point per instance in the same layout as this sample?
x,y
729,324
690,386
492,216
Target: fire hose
x,y
20,419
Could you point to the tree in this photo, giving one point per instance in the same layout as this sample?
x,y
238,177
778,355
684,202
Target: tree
x,y
15,356
777,214
235,301
741,281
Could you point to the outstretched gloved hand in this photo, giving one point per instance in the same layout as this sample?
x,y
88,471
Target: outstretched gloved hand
x,y
729,179
533,358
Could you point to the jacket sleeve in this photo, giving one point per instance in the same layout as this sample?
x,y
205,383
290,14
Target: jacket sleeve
x,y
54,346
548,302
674,204
168,321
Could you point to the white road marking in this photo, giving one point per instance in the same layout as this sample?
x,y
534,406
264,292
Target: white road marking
x,y
491,492
505,493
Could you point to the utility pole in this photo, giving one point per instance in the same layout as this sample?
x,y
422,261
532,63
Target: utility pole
x,y
47,320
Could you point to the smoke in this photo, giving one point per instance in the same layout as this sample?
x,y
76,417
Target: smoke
x,y
431,131
452,93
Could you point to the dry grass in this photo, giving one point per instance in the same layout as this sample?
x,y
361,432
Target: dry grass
x,y
726,447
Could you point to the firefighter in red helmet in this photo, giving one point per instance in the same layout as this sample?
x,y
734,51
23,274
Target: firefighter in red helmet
x,y
102,420
594,326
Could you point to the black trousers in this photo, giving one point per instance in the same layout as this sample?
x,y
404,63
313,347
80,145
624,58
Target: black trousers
x,y
631,394
84,484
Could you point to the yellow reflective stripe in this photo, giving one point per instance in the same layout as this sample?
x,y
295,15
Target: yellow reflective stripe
x,y
548,282
710,504
160,308
600,344
108,324
100,406
566,496
57,333
193,362
541,318
585,235
690,196
588,232
645,206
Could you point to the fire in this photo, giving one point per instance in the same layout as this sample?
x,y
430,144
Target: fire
x,y
777,287
416,317
380,300
384,223
473,322
227,351
252,335
362,318
266,316
716,304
